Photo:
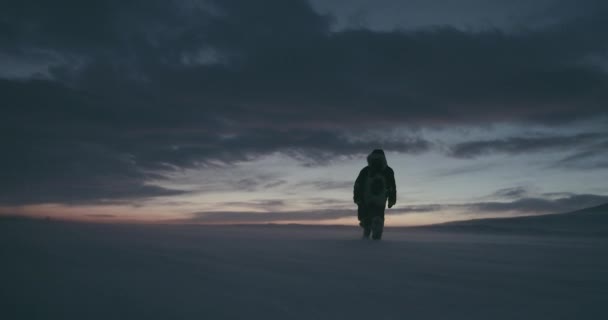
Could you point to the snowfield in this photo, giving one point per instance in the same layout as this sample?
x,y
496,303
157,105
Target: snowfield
x,y
60,270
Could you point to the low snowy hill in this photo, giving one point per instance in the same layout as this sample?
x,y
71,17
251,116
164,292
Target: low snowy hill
x,y
590,221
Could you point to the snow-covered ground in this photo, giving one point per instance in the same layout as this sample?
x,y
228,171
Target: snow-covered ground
x,y
57,270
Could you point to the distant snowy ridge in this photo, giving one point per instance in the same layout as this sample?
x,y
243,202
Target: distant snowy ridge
x,y
590,221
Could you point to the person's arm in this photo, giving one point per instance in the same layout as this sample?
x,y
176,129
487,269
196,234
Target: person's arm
x,y
392,188
358,188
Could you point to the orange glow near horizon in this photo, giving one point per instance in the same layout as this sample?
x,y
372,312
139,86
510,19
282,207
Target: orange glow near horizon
x,y
147,214
118,214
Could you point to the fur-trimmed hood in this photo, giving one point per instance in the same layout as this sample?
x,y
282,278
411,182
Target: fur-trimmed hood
x,y
377,156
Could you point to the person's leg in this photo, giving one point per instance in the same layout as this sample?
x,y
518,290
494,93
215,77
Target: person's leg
x,y
377,227
377,222
365,220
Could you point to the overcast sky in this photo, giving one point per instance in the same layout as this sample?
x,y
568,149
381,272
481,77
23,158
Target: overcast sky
x,y
264,111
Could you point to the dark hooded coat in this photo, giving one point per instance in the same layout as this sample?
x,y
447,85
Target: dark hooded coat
x,y
375,161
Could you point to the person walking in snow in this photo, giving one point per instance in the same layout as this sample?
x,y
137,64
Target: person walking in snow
x,y
373,187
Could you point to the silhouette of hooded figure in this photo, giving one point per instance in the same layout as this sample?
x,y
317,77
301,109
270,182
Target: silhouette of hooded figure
x,y
373,187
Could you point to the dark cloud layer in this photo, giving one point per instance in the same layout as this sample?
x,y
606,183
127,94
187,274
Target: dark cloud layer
x,y
511,193
594,156
516,145
126,88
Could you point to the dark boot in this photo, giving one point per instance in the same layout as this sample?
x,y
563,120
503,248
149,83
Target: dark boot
x,y
377,226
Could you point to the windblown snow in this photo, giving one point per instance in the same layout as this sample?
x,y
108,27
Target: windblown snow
x,y
59,270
